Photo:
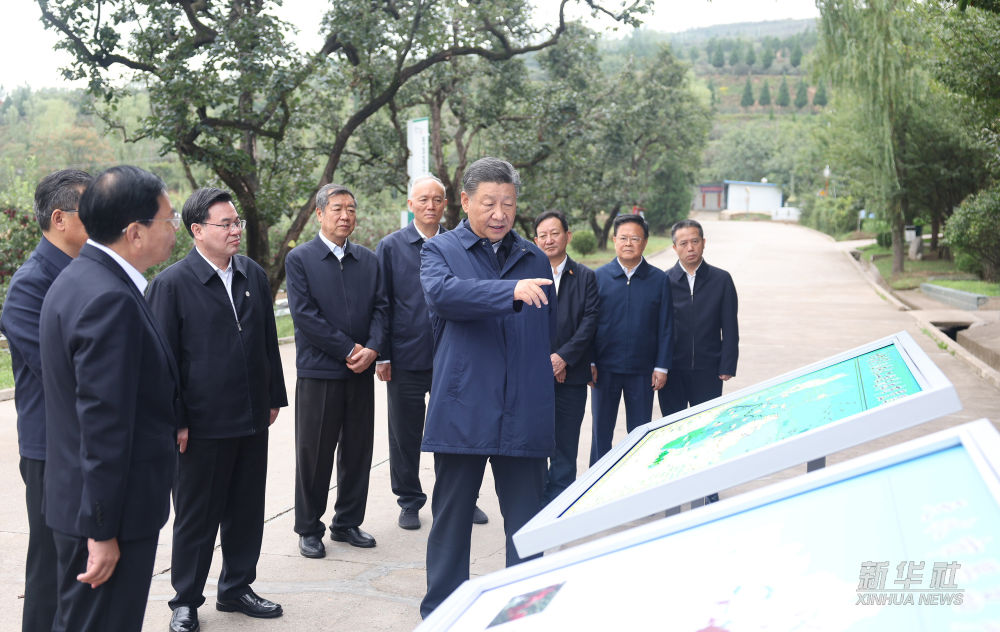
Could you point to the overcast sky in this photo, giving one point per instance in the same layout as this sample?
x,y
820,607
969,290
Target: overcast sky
x,y
27,57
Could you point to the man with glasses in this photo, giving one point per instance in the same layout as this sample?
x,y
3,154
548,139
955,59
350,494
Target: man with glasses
x,y
111,397
56,199
215,309
337,300
633,345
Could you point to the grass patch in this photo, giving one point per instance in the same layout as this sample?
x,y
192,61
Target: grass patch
x,y
6,372
975,287
284,324
915,272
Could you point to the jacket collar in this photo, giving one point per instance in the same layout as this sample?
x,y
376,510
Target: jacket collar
x,y
322,250
641,271
678,272
413,235
48,251
204,271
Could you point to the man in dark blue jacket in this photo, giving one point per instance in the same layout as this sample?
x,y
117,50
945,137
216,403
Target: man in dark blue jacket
x,y
57,197
576,287
706,333
215,309
493,312
111,398
406,362
634,335
337,301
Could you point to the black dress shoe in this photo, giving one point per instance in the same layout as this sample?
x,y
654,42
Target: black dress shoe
x,y
311,546
251,604
479,516
184,619
409,519
353,536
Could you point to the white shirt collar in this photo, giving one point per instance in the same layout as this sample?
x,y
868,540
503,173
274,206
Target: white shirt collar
x,y
557,272
422,235
136,276
691,276
628,274
338,251
228,270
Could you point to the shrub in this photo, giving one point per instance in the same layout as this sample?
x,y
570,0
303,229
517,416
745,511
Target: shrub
x,y
584,242
973,231
884,239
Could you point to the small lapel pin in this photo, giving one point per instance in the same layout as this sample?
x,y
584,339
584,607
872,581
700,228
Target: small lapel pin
x,y
248,292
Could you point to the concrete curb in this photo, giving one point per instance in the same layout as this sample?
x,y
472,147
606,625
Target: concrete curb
x,y
874,279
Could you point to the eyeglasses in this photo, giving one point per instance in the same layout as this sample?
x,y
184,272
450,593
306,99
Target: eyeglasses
x,y
228,226
628,239
174,219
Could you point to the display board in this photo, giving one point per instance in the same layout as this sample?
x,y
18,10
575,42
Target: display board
x,y
851,398
902,539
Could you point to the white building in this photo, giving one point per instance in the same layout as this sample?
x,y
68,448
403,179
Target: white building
x,y
752,197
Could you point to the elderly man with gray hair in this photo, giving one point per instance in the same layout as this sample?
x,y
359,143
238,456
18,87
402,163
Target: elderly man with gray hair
x,y
493,312
406,362
338,305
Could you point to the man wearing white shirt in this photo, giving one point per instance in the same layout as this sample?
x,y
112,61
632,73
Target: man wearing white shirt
x,y
215,308
633,345
111,396
337,300
577,310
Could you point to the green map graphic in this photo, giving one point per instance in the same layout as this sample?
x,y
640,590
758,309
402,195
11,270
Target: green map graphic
x,y
760,419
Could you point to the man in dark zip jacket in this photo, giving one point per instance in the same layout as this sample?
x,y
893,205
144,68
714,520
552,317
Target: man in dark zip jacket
x,y
336,296
706,334
215,310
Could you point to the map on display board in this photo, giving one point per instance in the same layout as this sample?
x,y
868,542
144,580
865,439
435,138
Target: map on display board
x,y
856,396
907,540
755,421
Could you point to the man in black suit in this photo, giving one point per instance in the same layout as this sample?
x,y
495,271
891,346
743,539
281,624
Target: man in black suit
x,y
406,362
215,309
110,394
706,334
577,309
57,197
338,305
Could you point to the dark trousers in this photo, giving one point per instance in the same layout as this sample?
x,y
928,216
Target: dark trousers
x,y
519,482
40,564
328,413
571,402
118,604
219,486
688,387
604,406
407,408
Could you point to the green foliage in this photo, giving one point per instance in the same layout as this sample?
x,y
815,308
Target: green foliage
x,y
584,242
751,57
974,230
819,97
718,58
796,56
18,229
765,95
783,97
833,216
233,95
801,95
984,288
736,54
884,239
747,99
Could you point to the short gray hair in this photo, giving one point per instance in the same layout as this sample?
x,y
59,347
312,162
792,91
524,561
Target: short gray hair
x,y
490,170
328,191
425,178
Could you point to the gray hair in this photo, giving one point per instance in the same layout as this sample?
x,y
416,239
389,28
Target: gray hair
x,y
490,170
425,178
328,191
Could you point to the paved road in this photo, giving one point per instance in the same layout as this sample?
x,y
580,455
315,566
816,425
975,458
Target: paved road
x,y
801,300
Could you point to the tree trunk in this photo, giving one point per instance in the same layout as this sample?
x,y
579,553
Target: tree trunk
x,y
898,244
